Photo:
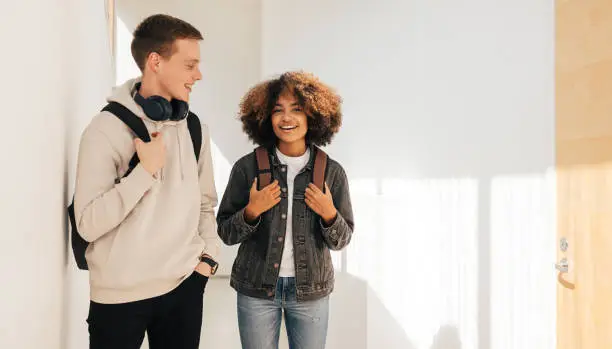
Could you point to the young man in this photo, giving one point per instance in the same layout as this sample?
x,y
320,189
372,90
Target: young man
x,y
152,233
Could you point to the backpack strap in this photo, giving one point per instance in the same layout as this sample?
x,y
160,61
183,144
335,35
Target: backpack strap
x,y
79,245
135,124
195,131
128,117
320,166
264,172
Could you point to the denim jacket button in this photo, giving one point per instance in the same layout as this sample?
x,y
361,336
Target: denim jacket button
x,y
284,189
280,238
284,216
283,169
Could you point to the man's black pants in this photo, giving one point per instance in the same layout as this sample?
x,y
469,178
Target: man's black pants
x,y
171,321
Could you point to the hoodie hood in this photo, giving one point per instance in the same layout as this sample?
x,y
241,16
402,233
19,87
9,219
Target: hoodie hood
x,y
124,94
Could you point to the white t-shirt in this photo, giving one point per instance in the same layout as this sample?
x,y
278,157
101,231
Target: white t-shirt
x,y
294,166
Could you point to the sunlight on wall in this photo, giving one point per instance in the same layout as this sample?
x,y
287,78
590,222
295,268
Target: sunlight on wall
x,y
360,259
418,244
125,65
523,250
417,249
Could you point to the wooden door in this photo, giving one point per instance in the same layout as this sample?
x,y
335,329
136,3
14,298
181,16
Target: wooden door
x,y
583,60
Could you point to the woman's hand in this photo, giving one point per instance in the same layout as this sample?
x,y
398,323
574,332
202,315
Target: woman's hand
x,y
261,201
321,203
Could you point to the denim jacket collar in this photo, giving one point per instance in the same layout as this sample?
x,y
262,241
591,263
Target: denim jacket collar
x,y
275,161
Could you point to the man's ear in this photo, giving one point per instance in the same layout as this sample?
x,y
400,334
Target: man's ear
x,y
154,61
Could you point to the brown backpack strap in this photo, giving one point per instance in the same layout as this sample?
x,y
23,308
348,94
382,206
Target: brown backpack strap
x,y
264,172
320,164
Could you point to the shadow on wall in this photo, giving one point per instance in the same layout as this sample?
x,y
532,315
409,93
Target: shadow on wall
x,y
383,330
447,338
351,314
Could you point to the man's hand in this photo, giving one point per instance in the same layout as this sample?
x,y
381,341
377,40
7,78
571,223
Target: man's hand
x,y
261,201
152,155
321,204
203,269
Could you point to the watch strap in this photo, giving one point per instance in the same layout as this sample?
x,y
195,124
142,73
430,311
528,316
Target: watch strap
x,y
208,260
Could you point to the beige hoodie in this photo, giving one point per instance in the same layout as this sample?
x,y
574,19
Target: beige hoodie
x,y
146,234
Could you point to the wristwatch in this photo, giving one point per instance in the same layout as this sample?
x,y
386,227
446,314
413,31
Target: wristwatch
x,y
213,265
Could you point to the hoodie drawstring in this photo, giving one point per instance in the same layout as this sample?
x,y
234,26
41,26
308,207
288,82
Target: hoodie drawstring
x,y
158,129
178,138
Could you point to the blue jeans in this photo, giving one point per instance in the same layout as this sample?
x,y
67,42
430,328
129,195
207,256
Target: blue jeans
x,y
259,320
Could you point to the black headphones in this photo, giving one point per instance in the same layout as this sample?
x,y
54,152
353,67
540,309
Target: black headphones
x,y
158,108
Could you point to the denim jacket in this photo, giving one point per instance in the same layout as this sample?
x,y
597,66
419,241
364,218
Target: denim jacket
x,y
256,268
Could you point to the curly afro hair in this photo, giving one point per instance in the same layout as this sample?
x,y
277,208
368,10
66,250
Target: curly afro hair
x,y
320,103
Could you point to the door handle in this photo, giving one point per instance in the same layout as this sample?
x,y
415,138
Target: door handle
x,y
562,266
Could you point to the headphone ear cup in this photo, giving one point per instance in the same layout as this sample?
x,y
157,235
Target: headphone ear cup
x,y
180,109
158,108
161,109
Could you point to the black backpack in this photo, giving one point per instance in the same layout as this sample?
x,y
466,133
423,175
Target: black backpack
x,y
79,245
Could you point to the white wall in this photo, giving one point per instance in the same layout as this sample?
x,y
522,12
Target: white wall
x,y
448,140
91,78
31,242
51,48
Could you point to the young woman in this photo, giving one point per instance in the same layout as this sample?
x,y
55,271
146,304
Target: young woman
x,y
286,228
